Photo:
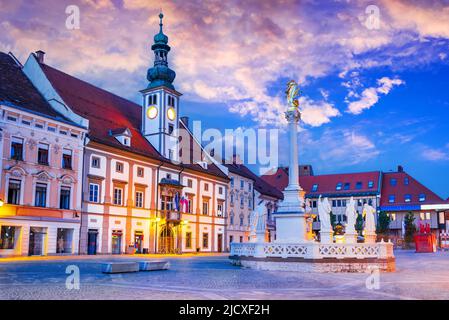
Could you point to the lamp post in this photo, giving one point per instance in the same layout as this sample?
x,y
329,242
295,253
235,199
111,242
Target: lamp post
x,y
156,221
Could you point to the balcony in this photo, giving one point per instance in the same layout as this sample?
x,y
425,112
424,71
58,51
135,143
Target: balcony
x,y
170,215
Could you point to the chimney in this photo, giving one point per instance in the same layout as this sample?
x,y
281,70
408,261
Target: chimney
x,y
236,159
40,56
400,168
185,120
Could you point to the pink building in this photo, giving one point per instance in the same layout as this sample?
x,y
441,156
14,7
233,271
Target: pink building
x,y
41,169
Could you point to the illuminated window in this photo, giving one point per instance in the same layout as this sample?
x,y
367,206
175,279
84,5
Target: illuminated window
x,y
205,240
391,198
422,197
370,184
338,187
315,188
407,198
188,240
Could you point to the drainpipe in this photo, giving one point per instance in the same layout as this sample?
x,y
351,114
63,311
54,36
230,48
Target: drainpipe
x,y
82,194
179,211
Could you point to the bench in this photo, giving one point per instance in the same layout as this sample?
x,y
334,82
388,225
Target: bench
x,y
153,265
120,267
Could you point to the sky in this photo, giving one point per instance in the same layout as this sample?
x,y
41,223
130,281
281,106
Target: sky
x,y
374,76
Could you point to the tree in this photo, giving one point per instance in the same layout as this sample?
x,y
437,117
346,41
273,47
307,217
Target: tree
x,y
383,222
359,224
333,220
409,226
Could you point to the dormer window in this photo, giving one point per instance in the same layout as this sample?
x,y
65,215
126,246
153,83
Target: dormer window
x,y
122,135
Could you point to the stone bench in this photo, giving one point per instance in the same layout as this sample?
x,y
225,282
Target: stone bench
x,y
153,265
120,267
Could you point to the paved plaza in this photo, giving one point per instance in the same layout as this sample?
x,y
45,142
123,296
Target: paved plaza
x,y
418,276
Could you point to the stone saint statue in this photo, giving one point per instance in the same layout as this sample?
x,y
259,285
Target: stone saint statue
x,y
324,210
261,212
257,221
292,95
351,216
370,222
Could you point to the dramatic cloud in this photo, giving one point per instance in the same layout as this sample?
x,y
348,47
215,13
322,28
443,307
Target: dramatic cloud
x,y
238,53
341,147
370,96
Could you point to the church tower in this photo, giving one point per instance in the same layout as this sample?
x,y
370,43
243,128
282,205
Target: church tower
x,y
160,109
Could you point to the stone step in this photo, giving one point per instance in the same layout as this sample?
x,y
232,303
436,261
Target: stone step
x,y
120,267
153,265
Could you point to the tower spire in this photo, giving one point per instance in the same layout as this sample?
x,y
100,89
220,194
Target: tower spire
x,y
160,74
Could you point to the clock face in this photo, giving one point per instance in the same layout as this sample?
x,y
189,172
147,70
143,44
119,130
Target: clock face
x,y
171,114
152,112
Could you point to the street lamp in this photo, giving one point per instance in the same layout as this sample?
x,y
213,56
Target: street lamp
x,y
156,220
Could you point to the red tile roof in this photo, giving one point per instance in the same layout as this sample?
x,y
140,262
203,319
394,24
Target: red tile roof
x,y
414,188
327,184
18,92
108,113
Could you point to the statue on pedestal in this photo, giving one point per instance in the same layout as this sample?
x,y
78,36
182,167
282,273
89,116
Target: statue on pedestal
x,y
324,210
292,95
351,216
257,222
370,223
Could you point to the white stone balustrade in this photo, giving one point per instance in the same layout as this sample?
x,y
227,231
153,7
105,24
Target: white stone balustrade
x,y
314,250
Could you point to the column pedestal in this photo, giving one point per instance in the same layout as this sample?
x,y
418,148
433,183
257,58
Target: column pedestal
x,y
370,237
326,237
351,237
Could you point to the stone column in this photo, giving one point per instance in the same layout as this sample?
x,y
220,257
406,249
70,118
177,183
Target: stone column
x,y
291,217
326,236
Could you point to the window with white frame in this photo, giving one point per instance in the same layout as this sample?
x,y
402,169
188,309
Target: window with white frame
x,y
64,198
219,209
14,191
95,162
94,190
67,159
139,199
40,195
16,149
118,196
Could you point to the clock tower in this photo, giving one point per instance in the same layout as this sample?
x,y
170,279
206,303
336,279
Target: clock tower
x,y
160,105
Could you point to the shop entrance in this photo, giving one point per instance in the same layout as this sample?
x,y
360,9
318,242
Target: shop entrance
x,y
92,241
138,241
166,240
220,243
64,241
116,241
36,242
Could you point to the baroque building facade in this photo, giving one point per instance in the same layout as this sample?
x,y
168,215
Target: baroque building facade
x,y
41,169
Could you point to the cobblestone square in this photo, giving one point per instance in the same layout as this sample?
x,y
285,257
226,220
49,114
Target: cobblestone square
x,y
418,276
